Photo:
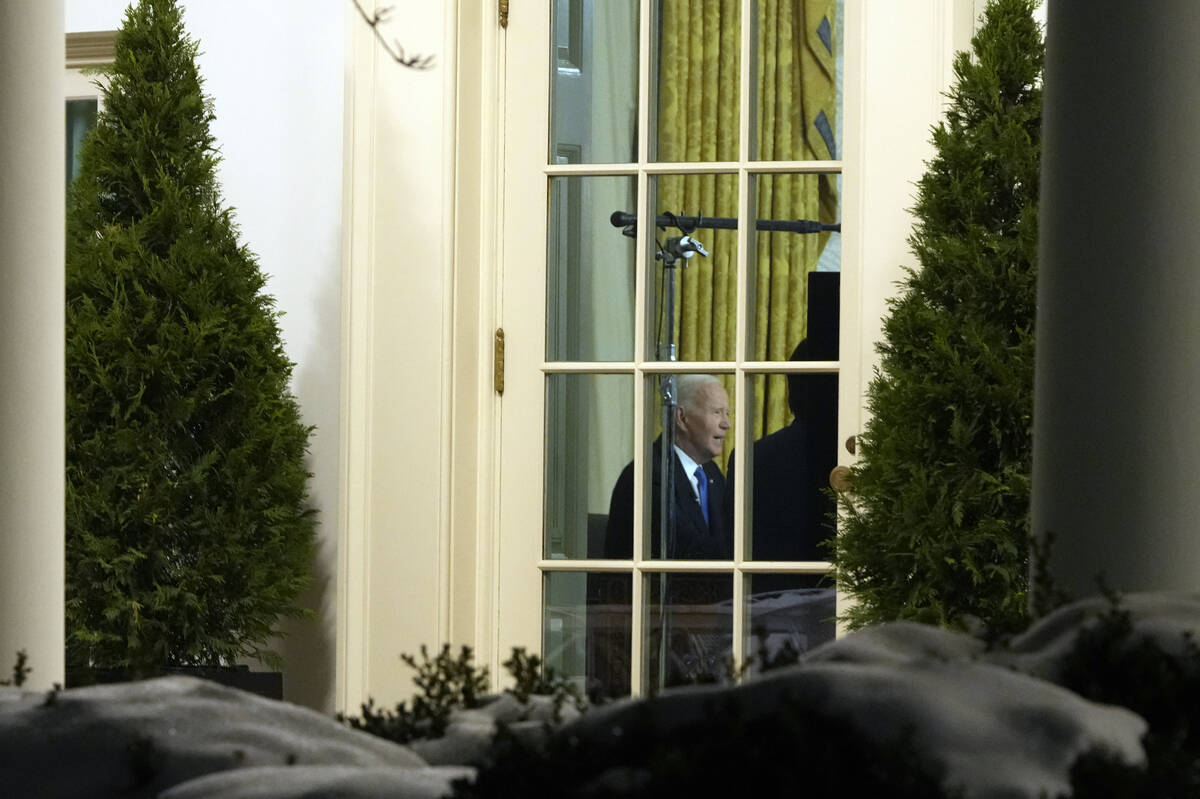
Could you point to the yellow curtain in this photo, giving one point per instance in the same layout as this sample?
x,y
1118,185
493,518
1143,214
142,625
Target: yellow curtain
x,y
795,119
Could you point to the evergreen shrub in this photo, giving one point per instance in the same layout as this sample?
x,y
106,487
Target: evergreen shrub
x,y
936,529
189,533
446,683
780,754
20,671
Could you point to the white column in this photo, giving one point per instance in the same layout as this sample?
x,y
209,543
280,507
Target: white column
x,y
32,177
1116,475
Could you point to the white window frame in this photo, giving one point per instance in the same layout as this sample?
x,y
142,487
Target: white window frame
x,y
642,170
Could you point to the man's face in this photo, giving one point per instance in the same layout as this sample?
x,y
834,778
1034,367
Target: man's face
x,y
701,427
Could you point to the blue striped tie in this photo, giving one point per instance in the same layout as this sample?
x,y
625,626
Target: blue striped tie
x,y
702,488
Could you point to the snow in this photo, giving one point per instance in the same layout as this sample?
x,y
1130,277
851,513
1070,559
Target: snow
x,y
992,721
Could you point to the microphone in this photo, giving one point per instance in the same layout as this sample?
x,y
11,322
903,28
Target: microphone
x,y
685,247
622,219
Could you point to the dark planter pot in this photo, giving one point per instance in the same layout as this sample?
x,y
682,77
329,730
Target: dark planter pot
x,y
267,684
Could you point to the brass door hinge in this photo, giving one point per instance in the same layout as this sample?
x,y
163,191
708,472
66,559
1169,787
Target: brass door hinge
x,y
498,361
503,13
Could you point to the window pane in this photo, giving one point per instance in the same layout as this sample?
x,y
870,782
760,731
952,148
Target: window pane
x,y
689,627
587,630
796,275
693,311
788,614
589,440
696,73
589,271
795,430
696,522
593,77
81,118
798,74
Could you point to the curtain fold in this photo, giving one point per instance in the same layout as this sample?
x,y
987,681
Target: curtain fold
x,y
608,254
795,119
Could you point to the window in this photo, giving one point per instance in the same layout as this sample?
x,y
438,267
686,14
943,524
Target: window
x,y
84,50
81,118
672,122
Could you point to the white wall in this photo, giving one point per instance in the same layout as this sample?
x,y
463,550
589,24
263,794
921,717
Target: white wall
x,y
888,141
275,72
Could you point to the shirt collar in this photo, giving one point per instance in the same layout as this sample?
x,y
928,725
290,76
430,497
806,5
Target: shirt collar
x,y
689,467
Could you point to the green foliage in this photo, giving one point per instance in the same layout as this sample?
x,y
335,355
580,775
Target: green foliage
x,y
1109,664
1046,594
937,527
725,754
528,674
533,677
189,533
446,682
20,671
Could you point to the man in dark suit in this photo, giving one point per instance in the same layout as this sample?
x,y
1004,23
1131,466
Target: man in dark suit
x,y
792,514
696,526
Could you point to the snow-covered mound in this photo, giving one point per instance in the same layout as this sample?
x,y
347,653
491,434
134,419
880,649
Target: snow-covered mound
x,y
991,721
991,730
898,643
137,739
1171,621
322,782
470,732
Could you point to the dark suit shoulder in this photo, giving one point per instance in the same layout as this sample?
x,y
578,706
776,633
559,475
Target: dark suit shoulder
x,y
618,532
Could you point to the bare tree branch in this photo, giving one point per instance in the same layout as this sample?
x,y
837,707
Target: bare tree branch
x,y
394,49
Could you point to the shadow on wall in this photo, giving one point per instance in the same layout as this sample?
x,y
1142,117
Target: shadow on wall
x,y
309,646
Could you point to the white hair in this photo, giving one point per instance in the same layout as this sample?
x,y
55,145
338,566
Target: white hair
x,y
688,388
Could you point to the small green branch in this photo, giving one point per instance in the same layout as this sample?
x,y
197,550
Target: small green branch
x,y
20,670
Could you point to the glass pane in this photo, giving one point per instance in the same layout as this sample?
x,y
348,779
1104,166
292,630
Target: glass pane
x,y
81,118
696,81
796,275
689,627
798,81
587,630
589,440
589,271
593,78
792,513
788,614
696,294
696,523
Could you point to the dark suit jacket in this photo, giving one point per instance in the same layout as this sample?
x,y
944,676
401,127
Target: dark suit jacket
x,y
692,537
791,512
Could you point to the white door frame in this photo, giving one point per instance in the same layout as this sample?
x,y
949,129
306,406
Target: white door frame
x,y
401,587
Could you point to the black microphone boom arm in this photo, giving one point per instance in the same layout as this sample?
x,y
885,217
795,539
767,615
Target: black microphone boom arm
x,y
628,221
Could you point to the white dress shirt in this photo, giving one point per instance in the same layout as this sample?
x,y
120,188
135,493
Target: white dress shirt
x,y
689,468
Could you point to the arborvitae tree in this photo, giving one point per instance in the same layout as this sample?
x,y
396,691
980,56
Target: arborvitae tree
x,y
189,532
936,529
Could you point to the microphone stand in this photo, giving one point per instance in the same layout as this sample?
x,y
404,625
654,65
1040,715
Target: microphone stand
x,y
677,248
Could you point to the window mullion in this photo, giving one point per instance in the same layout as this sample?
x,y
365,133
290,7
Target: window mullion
x,y
640,444
642,266
742,392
